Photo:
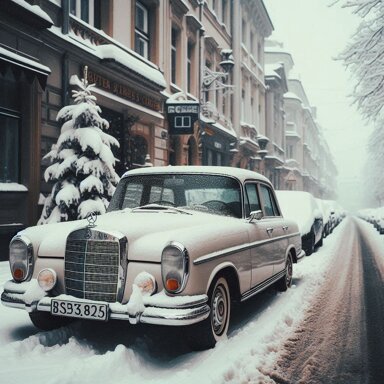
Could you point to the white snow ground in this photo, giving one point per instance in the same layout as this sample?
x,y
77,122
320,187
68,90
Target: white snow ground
x,y
89,353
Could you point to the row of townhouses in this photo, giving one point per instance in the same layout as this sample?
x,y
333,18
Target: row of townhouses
x,y
240,103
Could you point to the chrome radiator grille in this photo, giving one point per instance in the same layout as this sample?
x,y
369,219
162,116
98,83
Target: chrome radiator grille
x,y
92,266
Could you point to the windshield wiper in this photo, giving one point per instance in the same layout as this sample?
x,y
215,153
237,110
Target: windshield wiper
x,y
161,207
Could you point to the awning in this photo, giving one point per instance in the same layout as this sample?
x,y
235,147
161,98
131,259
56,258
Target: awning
x,y
31,68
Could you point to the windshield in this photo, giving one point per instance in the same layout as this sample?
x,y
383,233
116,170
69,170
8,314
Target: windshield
x,y
209,193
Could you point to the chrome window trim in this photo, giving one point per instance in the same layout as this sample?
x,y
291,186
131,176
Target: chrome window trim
x,y
239,248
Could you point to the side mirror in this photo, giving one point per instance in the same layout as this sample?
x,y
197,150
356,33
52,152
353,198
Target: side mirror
x,y
255,215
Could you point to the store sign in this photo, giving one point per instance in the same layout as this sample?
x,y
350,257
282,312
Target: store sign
x,y
182,117
123,91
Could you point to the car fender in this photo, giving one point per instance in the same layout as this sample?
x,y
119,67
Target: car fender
x,y
219,268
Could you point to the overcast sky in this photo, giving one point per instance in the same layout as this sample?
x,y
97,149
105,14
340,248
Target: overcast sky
x,y
315,33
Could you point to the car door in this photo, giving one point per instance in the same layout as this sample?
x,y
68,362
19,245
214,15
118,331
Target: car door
x,y
261,263
276,228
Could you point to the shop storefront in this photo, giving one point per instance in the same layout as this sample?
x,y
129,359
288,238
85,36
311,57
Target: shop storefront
x,y
22,82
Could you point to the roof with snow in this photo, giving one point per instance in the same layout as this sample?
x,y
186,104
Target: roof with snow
x,y
239,173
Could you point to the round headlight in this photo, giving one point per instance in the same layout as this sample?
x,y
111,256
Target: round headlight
x,y
174,267
20,258
47,279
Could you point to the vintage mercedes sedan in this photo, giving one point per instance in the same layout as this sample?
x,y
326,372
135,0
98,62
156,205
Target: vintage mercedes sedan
x,y
177,247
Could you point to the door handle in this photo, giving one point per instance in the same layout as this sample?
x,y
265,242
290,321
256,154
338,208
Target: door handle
x,y
269,230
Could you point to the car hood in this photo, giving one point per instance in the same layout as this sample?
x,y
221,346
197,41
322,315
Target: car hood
x,y
148,232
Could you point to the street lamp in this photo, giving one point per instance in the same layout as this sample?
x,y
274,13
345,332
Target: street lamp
x,y
210,77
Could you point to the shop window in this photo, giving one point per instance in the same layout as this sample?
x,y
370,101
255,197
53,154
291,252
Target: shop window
x,y
10,125
87,10
141,30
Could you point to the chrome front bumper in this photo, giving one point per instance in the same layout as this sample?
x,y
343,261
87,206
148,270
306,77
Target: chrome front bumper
x,y
174,311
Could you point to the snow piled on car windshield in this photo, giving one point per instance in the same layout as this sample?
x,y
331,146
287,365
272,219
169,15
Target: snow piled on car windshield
x,y
116,352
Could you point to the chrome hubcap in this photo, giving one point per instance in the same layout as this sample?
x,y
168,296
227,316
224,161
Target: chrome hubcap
x,y
219,310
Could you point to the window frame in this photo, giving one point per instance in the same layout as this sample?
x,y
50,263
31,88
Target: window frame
x,y
77,8
246,198
175,41
16,115
142,35
275,205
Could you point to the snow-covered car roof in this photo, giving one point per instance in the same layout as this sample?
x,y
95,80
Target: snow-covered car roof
x,y
239,173
299,206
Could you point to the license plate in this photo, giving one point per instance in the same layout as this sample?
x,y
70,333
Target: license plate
x,y
94,311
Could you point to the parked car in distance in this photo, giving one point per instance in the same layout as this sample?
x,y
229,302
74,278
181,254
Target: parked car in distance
x,y
302,208
325,209
374,216
177,246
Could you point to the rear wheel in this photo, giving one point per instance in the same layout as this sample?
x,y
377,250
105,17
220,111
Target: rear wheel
x,y
207,333
47,322
286,281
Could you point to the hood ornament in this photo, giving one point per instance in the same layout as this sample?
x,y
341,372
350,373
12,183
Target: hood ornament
x,y
92,218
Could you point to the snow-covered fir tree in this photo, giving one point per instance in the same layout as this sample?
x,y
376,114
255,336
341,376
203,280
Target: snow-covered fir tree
x,y
82,166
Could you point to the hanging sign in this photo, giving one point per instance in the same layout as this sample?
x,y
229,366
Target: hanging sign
x,y
182,116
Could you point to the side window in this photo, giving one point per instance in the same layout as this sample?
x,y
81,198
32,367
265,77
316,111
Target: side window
x,y
269,203
252,202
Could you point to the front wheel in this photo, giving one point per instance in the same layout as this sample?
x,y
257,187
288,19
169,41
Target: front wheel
x,y
47,322
207,333
286,281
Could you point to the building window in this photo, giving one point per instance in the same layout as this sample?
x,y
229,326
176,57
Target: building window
x,y
224,9
9,146
243,105
87,10
244,32
174,45
290,152
141,30
252,43
259,53
189,65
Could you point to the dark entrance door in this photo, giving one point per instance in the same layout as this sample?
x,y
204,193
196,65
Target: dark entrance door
x,y
116,129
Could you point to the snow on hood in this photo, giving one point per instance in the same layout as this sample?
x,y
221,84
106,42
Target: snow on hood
x,y
147,231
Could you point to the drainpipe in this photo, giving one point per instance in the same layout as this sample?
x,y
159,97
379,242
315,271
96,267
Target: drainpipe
x,y
236,46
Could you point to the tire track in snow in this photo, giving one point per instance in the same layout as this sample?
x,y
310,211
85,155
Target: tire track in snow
x,y
339,341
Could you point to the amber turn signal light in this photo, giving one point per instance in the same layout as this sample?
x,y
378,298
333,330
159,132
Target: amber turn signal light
x,y
18,274
172,285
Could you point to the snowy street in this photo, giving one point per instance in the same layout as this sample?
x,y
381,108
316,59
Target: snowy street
x,y
316,332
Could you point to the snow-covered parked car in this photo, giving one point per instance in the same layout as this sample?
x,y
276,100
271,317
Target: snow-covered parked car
x,y
302,208
176,247
325,209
